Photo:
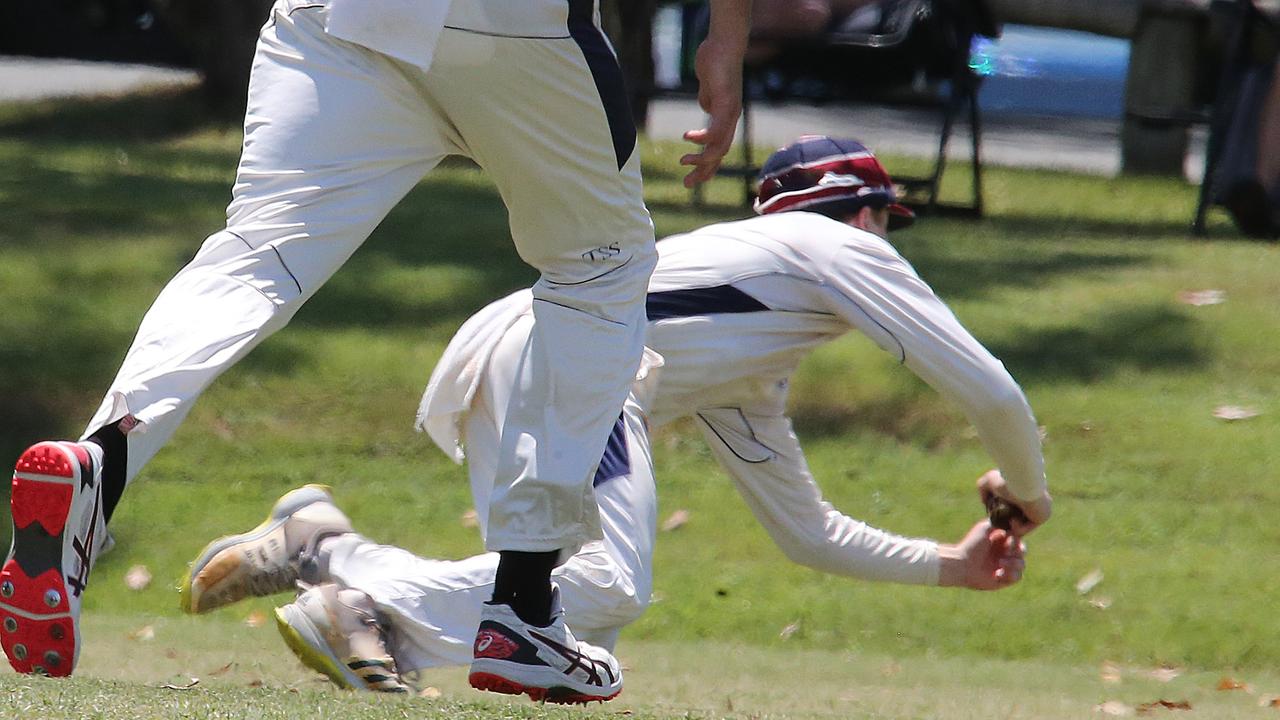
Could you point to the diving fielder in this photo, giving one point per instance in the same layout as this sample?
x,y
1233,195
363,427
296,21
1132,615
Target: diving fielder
x,y
733,308
351,103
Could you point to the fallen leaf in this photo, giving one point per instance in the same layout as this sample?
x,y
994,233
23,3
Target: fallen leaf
x,y
429,692
1227,683
1113,707
222,670
255,683
1101,602
146,633
1111,672
1165,673
138,578
257,618
470,519
1269,701
1089,581
190,684
1147,708
1202,297
1232,413
676,520
789,630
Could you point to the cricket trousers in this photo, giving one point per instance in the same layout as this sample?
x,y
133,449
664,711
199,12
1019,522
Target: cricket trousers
x,y
335,135
432,607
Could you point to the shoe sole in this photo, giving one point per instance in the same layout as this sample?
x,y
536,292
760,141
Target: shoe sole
x,y
280,512
39,636
304,639
558,694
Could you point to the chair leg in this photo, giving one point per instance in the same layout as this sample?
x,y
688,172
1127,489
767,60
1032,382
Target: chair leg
x,y
975,132
748,160
948,121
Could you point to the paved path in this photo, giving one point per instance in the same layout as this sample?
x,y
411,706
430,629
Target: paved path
x,y
40,78
1083,145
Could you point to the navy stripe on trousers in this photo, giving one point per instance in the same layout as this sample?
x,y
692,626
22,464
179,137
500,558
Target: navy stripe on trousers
x,y
616,461
607,75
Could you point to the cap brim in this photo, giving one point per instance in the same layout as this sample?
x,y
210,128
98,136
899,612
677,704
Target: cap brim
x,y
900,216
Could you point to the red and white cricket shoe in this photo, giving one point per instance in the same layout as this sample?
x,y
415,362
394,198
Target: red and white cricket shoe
x,y
58,529
546,663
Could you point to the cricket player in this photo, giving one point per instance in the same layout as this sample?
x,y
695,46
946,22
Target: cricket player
x,y
732,308
351,103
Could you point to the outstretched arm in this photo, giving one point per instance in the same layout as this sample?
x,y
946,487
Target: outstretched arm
x,y
878,292
764,460
718,66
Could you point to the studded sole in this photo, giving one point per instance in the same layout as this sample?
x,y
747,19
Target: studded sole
x,y
37,632
490,682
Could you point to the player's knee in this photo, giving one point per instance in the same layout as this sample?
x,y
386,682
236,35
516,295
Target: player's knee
x,y
259,266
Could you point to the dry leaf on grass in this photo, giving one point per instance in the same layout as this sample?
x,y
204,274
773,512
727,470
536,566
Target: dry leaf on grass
x,y
1148,708
1269,701
789,630
257,618
1101,602
1232,413
1114,708
189,684
145,633
1111,673
222,670
255,683
1089,581
676,520
1165,673
470,519
1227,683
138,578
1202,297
429,692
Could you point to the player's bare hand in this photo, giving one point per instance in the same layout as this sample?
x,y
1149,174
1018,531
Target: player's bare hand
x,y
719,68
986,558
1037,511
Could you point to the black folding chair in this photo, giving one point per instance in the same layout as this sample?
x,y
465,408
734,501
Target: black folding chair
x,y
913,42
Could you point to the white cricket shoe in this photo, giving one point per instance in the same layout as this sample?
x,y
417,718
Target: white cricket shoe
x,y
58,531
546,663
264,560
336,633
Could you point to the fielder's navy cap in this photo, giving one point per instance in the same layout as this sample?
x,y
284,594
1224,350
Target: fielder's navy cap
x,y
828,175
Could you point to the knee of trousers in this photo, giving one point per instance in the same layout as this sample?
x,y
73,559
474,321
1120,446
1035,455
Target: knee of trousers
x,y
256,264
612,291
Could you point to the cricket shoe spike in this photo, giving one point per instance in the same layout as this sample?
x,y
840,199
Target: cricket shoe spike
x,y
58,531
336,633
264,560
546,663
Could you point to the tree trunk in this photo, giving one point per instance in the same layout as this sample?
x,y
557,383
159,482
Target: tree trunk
x,y
221,36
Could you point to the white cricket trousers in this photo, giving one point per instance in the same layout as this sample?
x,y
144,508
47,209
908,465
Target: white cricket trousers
x,y
335,135
433,606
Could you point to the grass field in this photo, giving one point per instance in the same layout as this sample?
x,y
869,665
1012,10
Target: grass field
x,y
1073,281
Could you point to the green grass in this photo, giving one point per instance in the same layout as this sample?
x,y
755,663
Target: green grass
x,y
1071,280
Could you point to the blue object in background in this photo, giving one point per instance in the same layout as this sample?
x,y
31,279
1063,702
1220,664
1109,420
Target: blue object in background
x,y
1039,71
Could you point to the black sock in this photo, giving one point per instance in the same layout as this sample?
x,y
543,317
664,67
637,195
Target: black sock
x,y
115,457
523,581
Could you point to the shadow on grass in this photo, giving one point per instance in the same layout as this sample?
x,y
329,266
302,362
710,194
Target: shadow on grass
x,y
129,118
1144,338
1152,337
